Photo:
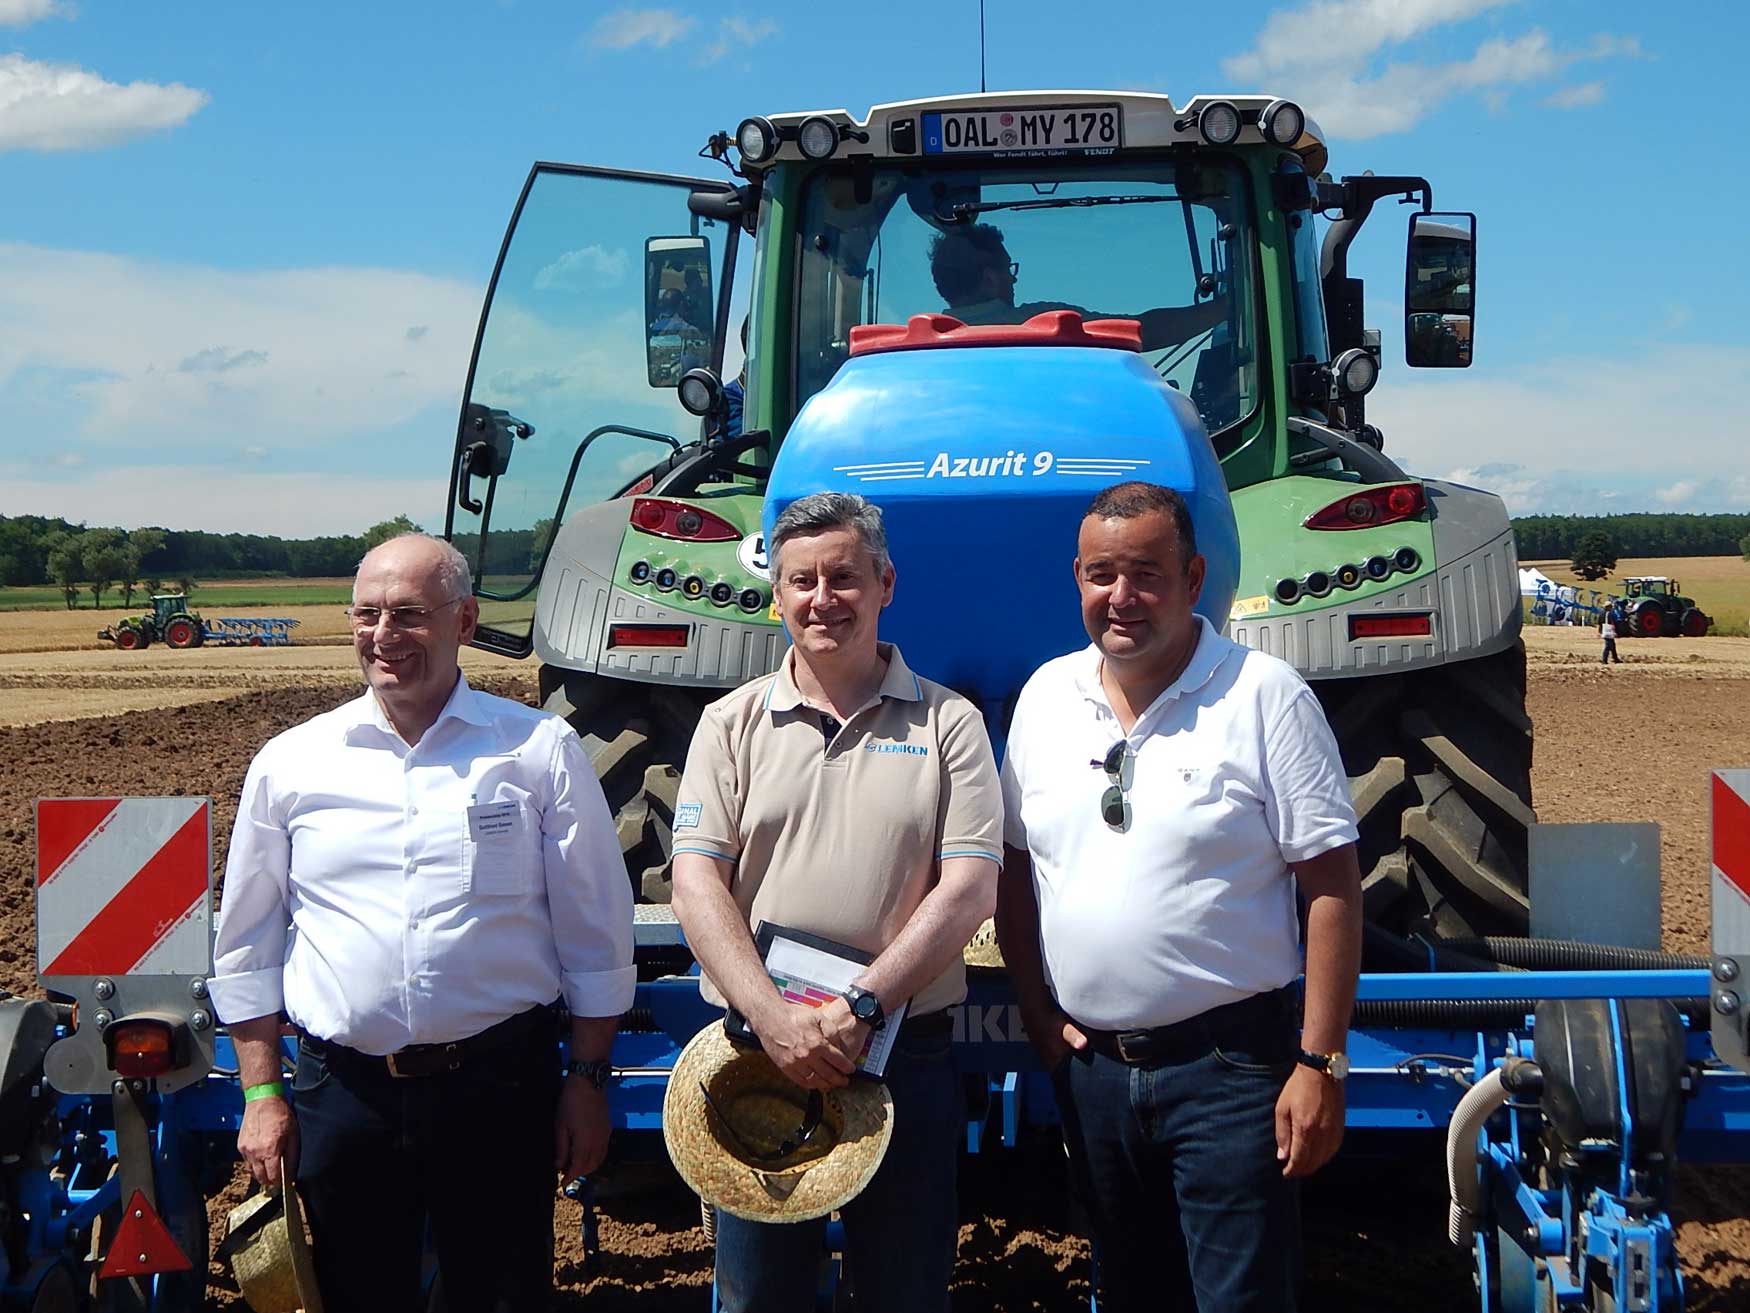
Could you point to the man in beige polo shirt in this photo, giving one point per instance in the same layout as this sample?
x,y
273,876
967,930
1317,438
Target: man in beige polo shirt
x,y
847,797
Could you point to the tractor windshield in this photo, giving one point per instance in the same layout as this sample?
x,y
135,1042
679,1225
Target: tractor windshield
x,y
1168,243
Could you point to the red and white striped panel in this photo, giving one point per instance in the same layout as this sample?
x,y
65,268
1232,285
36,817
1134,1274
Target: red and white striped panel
x,y
1731,886
122,887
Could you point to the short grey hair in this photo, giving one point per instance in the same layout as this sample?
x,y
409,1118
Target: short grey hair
x,y
453,573
820,511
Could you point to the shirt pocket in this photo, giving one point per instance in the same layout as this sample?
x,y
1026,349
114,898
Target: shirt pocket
x,y
501,850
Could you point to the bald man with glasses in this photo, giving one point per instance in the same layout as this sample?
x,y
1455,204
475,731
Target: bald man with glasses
x,y
1167,794
417,881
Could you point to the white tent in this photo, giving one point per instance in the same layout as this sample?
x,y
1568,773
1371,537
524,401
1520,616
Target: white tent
x,y
1535,583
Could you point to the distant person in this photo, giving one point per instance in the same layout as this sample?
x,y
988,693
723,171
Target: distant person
x,y
1607,631
416,878
976,278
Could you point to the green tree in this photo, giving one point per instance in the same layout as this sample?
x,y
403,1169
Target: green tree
x,y
66,564
538,545
102,551
1744,543
1595,554
378,534
141,544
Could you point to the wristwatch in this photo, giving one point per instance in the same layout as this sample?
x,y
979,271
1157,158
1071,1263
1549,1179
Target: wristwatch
x,y
1334,1065
597,1071
866,1007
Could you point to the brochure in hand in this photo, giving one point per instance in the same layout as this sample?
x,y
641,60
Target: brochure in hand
x,y
814,970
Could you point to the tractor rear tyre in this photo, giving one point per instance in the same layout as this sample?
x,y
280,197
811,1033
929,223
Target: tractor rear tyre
x,y
637,737
182,632
1439,765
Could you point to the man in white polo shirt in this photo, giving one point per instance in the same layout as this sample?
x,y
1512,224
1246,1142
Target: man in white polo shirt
x,y
1166,793
846,797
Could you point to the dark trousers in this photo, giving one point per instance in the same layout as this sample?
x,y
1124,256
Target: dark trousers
x,y
468,1152
1609,653
1176,1162
899,1233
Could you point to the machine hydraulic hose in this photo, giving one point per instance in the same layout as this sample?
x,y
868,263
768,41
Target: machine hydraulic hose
x,y
1515,1076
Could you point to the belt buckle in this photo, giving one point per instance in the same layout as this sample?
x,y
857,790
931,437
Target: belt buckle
x,y
395,1070
1124,1053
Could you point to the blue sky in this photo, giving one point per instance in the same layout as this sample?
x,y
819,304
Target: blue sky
x,y
243,248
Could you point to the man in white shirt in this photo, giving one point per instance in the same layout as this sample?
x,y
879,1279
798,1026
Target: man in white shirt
x,y
1166,792
414,879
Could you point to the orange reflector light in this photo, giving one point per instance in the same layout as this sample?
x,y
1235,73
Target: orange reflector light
x,y
647,635
140,1048
1390,626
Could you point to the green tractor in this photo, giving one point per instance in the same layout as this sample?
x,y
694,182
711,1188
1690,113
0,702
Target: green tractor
x,y
1655,608
169,621
608,475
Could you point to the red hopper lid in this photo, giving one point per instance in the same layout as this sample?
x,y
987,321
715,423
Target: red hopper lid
x,y
1052,328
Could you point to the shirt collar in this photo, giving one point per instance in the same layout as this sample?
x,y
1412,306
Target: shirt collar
x,y
899,683
464,704
1206,658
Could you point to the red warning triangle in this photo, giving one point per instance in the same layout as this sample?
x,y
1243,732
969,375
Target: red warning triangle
x,y
143,1244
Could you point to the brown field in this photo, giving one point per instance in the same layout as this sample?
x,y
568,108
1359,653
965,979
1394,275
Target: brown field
x,y
61,735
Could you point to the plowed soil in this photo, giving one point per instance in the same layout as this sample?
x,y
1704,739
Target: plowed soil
x,y
1632,742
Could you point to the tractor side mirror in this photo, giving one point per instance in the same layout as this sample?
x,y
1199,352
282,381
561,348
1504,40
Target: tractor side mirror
x,y
679,309
1440,277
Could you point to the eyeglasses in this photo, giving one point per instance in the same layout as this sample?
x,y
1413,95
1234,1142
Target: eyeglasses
x,y
400,617
811,1116
1120,767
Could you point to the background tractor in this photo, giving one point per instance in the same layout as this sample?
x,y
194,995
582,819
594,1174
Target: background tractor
x,y
612,510
1655,608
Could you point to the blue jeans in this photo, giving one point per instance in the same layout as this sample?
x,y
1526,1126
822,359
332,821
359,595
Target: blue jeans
x,y
899,1233
469,1153
1176,1162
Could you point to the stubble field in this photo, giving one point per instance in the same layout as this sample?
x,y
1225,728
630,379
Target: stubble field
x,y
101,722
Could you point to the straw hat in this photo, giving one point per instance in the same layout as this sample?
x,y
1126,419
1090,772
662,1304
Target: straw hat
x,y
269,1254
766,1110
983,950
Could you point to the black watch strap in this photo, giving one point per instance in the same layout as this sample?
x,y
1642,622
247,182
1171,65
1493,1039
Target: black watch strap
x,y
597,1071
866,1007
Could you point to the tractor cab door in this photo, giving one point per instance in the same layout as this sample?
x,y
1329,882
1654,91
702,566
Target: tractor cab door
x,y
607,289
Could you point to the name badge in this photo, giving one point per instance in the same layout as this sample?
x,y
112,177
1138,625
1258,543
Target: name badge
x,y
493,820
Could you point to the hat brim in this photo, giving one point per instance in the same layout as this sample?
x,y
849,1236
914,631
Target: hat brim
x,y
269,1253
859,1116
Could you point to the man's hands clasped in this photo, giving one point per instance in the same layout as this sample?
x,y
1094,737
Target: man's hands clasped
x,y
814,1047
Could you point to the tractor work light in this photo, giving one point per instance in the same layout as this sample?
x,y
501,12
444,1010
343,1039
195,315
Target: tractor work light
x,y
1282,122
1219,123
1419,625
647,635
1356,371
140,1048
673,519
700,391
817,138
1374,506
757,140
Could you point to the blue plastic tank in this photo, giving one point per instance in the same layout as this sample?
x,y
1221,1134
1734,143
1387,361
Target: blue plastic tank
x,y
983,452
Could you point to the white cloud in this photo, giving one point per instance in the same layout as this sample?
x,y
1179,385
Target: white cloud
x,y
625,28
737,34
1322,54
1577,97
585,268
189,356
1558,434
22,13
50,107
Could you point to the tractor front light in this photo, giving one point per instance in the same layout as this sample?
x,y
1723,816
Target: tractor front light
x,y
699,391
1356,372
1219,123
1282,122
817,138
757,140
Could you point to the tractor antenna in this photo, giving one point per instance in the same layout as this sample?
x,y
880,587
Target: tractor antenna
x,y
981,85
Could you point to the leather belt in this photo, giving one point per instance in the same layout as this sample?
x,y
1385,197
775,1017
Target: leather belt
x,y
1193,1035
419,1060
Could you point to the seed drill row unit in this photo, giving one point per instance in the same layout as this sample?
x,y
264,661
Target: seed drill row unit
x,y
1565,1093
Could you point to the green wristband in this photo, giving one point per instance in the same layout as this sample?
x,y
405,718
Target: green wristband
x,y
272,1089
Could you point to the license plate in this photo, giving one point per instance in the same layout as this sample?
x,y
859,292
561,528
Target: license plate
x,y
1084,129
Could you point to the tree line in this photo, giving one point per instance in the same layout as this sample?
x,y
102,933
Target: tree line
x,y
36,550
1558,537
